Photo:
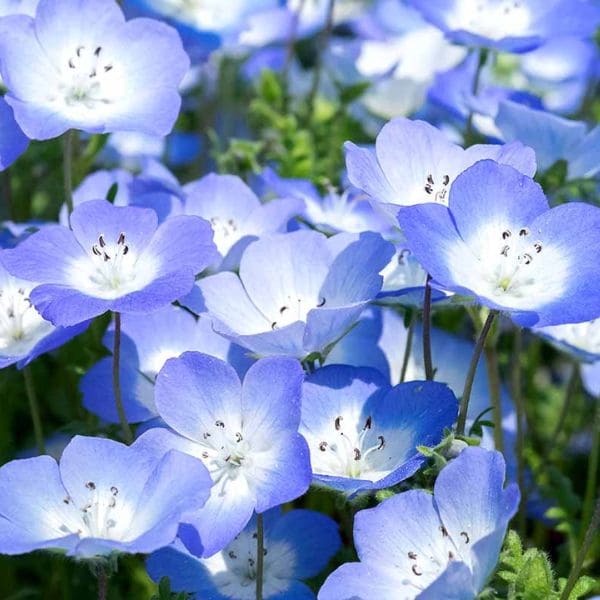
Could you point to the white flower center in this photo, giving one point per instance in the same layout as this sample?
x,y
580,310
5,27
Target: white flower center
x,y
437,188
102,516
494,19
585,336
203,14
88,78
234,569
295,309
112,269
226,454
402,272
226,233
348,451
21,326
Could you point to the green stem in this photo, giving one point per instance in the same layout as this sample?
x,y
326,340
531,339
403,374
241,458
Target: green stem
x,y
323,42
408,347
493,373
34,410
583,550
464,402
592,472
427,359
260,555
517,394
569,395
102,577
68,169
482,59
116,373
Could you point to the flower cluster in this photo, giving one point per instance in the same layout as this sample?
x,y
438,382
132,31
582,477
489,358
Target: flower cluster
x,y
274,301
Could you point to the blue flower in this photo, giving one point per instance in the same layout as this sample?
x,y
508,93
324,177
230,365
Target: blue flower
x,y
13,142
507,25
102,497
153,187
582,340
332,213
416,545
246,434
553,138
415,163
297,293
79,65
115,258
148,341
363,433
236,214
18,7
298,544
498,241
378,341
24,333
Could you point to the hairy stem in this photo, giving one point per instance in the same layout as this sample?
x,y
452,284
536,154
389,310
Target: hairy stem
x,y
493,373
464,402
592,472
427,360
260,555
116,375
34,410
408,347
68,169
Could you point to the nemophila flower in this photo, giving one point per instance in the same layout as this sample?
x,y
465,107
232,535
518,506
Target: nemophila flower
x,y
13,142
400,53
147,342
297,545
418,545
236,214
582,340
102,497
498,241
414,163
245,433
24,333
147,189
115,258
507,25
378,341
363,434
332,213
590,377
79,65
297,293
553,138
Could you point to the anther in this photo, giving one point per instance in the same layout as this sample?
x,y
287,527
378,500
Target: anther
x,y
357,454
465,535
338,423
101,241
112,503
412,556
429,189
282,309
444,531
79,50
107,68
450,555
219,424
206,435
71,63
430,179
504,251
446,180
106,257
251,562
322,303
96,251
273,324
114,490
523,232
232,554
205,454
90,485
381,442
506,234
323,446
416,571
98,50
67,500
368,423
121,239
538,247
125,250
238,437
526,258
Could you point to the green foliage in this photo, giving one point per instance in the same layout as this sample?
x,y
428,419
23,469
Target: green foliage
x,y
165,593
526,574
